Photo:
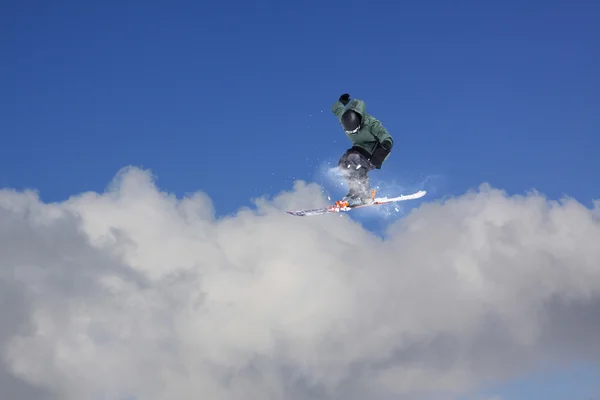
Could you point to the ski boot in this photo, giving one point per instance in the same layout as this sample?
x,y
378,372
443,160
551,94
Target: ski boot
x,y
356,199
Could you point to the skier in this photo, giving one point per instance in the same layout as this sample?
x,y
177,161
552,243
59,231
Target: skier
x,y
371,146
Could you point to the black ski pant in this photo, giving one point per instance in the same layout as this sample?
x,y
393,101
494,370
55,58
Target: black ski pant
x,y
354,167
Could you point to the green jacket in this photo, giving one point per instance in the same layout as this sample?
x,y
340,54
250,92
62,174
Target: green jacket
x,y
371,134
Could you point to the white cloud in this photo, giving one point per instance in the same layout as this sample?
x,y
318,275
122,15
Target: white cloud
x,y
135,292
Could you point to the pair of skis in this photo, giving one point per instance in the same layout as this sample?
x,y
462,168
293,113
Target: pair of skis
x,y
342,206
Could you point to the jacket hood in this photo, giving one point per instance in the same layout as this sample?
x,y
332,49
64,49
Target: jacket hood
x,y
358,106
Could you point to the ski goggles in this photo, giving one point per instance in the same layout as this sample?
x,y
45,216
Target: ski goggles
x,y
353,131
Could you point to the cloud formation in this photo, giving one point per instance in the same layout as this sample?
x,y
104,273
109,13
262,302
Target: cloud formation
x,y
134,292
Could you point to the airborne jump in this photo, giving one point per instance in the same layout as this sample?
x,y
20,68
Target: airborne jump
x,y
371,146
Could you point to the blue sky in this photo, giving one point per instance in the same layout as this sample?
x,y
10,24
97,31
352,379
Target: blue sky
x,y
234,98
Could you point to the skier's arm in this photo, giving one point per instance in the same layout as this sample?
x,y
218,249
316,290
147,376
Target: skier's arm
x,y
380,153
338,106
338,109
382,135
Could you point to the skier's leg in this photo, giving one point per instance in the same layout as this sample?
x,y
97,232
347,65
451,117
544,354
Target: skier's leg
x,y
355,167
362,182
346,169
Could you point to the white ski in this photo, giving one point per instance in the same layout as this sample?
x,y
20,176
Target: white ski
x,y
340,206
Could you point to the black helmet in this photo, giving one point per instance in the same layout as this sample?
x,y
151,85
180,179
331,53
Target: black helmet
x,y
351,121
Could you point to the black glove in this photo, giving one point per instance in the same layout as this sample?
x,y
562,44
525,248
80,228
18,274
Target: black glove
x,y
345,98
381,152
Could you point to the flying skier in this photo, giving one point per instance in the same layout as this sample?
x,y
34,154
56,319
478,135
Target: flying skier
x,y
371,146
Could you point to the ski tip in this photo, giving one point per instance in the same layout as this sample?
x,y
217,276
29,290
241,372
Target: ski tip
x,y
417,195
